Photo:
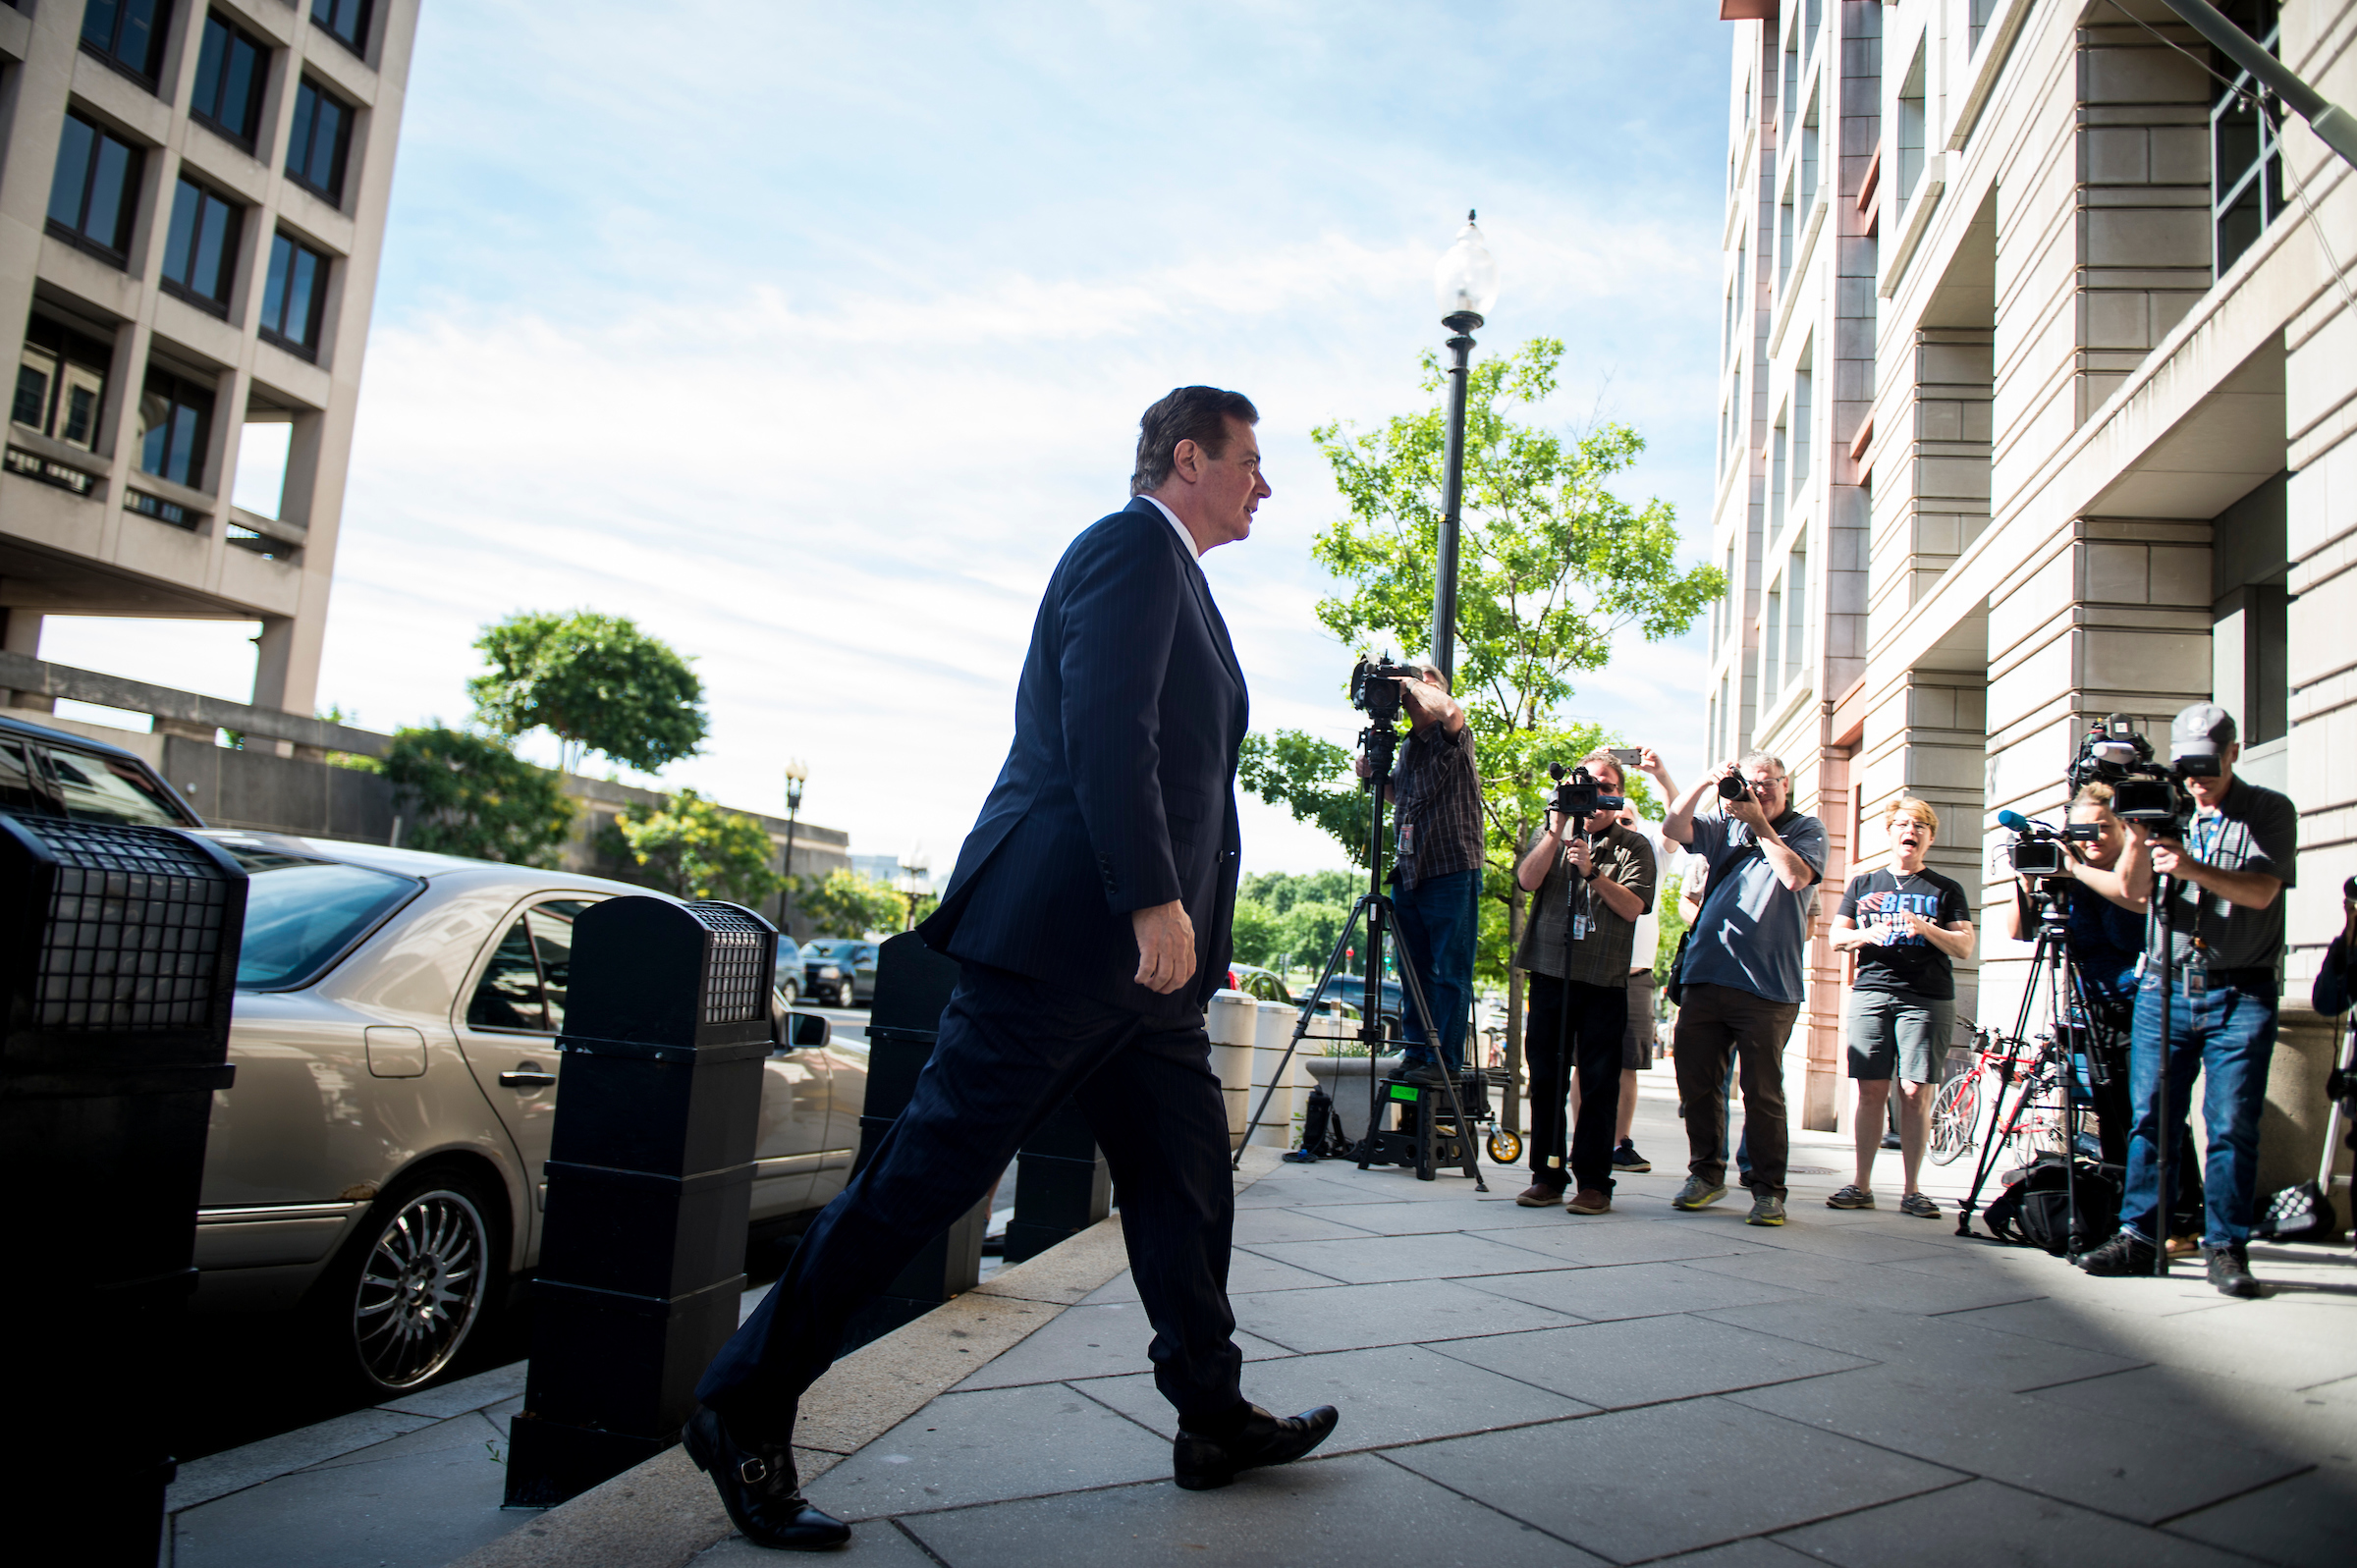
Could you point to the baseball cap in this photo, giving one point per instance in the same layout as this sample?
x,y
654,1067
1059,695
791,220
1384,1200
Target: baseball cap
x,y
2203,730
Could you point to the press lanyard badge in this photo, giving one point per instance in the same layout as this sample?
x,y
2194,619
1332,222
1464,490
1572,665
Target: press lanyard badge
x,y
2196,969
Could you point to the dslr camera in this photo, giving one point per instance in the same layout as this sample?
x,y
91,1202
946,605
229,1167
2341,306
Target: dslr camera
x,y
1375,687
2143,789
1578,796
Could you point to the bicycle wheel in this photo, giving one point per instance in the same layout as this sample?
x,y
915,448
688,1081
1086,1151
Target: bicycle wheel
x,y
1955,1111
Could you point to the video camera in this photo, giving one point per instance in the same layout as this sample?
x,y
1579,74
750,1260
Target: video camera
x,y
1577,794
2038,851
1375,687
2142,790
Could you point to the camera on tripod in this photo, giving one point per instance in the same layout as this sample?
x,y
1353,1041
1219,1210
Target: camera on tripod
x,y
1578,796
2142,790
1375,687
2038,851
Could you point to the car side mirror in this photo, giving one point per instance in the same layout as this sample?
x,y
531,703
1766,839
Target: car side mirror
x,y
807,1031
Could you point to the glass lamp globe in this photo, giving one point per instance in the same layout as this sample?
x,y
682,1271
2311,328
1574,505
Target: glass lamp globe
x,y
1465,283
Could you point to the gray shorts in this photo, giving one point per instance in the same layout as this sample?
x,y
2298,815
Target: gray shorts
x,y
1888,1031
1636,1047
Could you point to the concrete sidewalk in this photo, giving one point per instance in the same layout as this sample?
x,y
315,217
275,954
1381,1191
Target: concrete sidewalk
x,y
1519,1385
1516,1385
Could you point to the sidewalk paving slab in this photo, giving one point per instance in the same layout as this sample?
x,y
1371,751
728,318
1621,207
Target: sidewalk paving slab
x,y
1378,1259
1981,1523
1108,1340
1640,1484
1349,1317
1934,1346
1634,1290
2303,1522
1645,1361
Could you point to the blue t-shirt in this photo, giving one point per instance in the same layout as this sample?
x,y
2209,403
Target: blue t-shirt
x,y
1752,931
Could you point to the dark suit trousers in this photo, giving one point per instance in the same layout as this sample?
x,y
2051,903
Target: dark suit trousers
x,y
1009,1052
1586,1037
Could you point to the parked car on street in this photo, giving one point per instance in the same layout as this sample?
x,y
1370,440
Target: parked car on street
x,y
1261,985
790,969
839,969
51,772
378,1161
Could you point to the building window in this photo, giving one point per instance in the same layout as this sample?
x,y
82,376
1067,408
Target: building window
x,y
1803,404
200,253
175,416
1783,241
294,296
1772,641
61,382
1796,616
127,34
345,20
229,68
1780,461
1808,157
97,189
1910,129
2246,161
322,135
1784,105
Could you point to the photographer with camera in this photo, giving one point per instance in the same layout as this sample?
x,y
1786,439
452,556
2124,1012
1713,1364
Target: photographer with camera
x,y
1593,879
2215,883
1741,971
1436,866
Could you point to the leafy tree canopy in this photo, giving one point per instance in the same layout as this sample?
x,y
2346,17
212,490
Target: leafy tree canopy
x,y
844,903
468,795
692,847
596,683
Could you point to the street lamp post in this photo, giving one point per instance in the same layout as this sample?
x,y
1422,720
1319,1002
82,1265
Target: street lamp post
x,y
1466,285
797,773
913,867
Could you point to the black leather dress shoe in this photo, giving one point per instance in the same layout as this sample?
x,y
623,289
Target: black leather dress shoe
x,y
759,1489
1199,1463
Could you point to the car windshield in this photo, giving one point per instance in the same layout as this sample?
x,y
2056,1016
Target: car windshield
x,y
302,914
112,790
826,948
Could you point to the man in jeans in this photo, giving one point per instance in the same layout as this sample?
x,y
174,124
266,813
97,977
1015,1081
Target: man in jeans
x,y
2227,942
1762,861
1435,868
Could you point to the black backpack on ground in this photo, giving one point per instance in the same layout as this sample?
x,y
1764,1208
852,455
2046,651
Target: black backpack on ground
x,y
1321,1131
2035,1211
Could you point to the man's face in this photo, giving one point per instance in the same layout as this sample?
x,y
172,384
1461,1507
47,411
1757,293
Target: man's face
x,y
2208,792
1767,788
1230,487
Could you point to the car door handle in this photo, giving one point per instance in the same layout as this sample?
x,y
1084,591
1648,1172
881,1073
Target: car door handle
x,y
526,1076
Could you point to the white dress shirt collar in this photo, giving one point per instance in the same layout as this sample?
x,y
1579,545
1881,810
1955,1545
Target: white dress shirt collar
x,y
1185,538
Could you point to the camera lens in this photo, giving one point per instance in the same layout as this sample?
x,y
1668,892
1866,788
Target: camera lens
x,y
1732,788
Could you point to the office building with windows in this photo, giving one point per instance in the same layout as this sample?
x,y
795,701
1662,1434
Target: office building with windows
x,y
193,195
2037,401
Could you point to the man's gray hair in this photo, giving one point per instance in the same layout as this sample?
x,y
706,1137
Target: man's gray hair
x,y
1199,415
1752,759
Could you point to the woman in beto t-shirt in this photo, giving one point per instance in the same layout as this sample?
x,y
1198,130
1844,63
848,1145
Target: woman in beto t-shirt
x,y
1908,925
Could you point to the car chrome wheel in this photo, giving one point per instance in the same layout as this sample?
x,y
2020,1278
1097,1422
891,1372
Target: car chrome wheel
x,y
421,1288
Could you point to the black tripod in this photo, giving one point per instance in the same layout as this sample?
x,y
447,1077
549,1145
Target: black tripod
x,y
1373,908
2067,998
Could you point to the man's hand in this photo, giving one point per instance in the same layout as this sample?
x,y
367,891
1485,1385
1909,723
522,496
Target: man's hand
x,y
1649,761
1165,946
1358,765
2170,859
1578,852
1746,810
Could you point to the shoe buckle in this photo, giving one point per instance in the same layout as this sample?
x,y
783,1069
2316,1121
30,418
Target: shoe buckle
x,y
752,1471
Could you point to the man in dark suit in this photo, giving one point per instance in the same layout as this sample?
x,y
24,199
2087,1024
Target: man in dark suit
x,y
1089,914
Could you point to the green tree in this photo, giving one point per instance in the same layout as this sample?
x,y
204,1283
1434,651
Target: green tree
x,y
1673,910
596,683
694,847
1255,932
460,793
844,903
1553,566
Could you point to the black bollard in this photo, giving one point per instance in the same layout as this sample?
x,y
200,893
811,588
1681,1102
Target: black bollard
x,y
912,986
1062,1185
118,965
649,1175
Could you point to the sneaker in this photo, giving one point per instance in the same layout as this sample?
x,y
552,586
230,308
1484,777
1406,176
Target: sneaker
x,y
1919,1206
1890,1141
2230,1272
2124,1256
1626,1158
1697,1194
1538,1194
1850,1196
1588,1201
1766,1208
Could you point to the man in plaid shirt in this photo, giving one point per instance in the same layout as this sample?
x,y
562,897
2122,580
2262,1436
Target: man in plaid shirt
x,y
1436,866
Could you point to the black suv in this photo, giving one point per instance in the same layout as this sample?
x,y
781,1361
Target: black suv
x,y
839,969
48,772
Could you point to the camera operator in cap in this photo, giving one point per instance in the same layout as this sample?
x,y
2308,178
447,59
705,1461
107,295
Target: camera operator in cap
x,y
1594,878
2225,923
1742,972
1436,867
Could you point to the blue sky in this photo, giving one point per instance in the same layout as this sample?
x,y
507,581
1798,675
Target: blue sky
x,y
808,336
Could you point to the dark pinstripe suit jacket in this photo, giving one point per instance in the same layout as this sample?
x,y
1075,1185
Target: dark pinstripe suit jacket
x,y
1118,792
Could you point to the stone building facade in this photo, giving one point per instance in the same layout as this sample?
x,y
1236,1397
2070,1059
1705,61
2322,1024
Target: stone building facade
x,y
2038,402
193,197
